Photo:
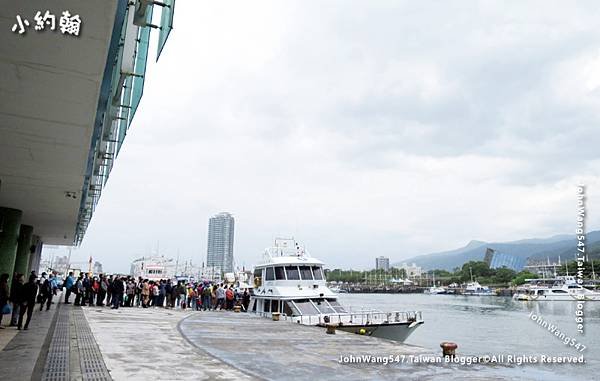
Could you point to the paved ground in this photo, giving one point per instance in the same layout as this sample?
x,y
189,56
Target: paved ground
x,y
97,343
287,351
19,357
144,344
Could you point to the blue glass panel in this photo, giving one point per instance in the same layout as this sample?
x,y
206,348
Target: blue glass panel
x,y
141,60
124,121
166,24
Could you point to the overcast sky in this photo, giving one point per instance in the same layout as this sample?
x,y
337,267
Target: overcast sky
x,y
361,128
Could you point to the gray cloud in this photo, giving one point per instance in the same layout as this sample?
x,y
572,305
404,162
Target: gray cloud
x,y
362,128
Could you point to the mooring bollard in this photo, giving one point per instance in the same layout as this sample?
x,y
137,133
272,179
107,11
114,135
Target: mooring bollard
x,y
237,308
331,329
448,348
275,316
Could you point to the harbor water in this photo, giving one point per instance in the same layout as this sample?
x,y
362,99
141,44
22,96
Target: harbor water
x,y
492,325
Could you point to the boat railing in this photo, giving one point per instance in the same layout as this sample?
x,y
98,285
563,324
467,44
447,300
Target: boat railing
x,y
355,318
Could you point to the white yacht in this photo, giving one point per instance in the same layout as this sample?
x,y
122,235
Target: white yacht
x,y
292,284
562,288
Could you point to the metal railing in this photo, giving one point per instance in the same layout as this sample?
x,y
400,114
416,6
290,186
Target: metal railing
x,y
365,317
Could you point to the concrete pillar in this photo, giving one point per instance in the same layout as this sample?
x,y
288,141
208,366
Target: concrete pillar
x,y
10,222
23,249
36,255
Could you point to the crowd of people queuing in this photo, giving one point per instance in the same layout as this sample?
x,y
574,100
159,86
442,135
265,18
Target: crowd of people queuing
x,y
113,291
126,291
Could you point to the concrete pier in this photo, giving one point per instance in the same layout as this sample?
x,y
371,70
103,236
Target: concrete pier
x,y
161,344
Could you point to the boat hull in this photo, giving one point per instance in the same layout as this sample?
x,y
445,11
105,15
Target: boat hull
x,y
550,298
396,332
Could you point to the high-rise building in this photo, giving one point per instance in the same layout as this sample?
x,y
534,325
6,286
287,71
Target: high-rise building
x,y
220,243
382,263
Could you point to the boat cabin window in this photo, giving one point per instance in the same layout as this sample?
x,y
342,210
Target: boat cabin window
x,y
279,273
305,307
267,305
270,274
292,273
559,292
317,272
275,306
257,277
305,273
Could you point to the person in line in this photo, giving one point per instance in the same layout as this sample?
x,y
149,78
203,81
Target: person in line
x,y
162,292
220,297
27,298
79,290
174,296
46,291
117,293
102,290
95,291
246,300
17,283
109,291
193,298
155,294
206,297
3,295
145,293
138,291
69,286
85,282
130,293
229,298
169,293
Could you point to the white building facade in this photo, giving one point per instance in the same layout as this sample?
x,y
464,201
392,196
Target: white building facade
x,y
412,271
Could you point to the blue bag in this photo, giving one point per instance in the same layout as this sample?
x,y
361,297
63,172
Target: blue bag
x,y
7,309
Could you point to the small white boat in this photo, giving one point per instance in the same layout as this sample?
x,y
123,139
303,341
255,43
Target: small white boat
x,y
475,289
436,290
338,290
561,288
291,284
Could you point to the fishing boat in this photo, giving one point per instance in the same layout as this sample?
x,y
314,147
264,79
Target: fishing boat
x,y
290,285
560,288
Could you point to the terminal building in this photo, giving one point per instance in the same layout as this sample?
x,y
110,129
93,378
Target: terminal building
x,y
73,74
497,260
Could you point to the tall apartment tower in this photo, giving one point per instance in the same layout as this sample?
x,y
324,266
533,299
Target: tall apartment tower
x,y
220,243
382,263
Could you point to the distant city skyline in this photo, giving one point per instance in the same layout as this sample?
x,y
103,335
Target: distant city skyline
x,y
219,252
